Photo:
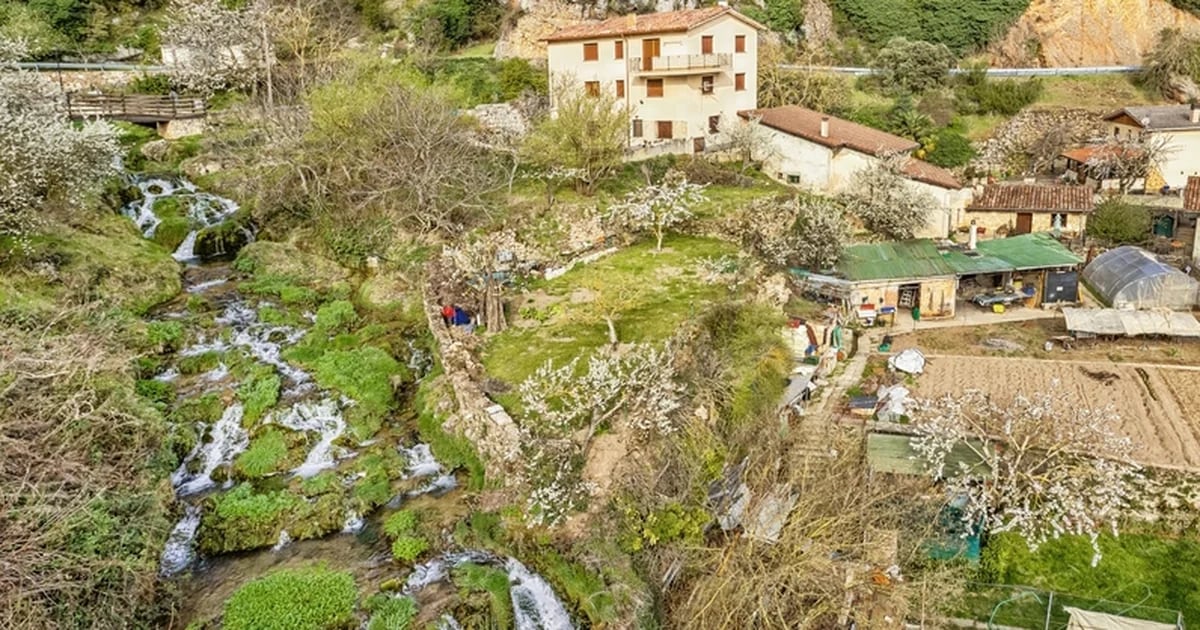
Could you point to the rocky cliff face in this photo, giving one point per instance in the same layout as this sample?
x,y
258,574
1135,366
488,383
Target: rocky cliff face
x,y
540,18
1056,33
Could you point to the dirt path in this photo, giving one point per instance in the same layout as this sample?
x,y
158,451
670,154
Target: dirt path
x,y
1157,403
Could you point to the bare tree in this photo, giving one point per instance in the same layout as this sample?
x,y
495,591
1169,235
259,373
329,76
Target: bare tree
x,y
657,207
1043,466
749,139
587,134
1046,148
886,202
784,79
306,38
1129,160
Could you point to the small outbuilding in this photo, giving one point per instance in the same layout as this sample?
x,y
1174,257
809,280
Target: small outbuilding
x,y
1130,277
1026,208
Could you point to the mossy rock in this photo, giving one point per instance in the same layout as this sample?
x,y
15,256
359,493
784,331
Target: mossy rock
x,y
243,519
267,454
309,597
225,238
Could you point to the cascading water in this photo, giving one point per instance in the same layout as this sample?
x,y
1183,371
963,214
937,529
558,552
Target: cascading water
x,y
227,440
535,605
177,554
324,417
204,209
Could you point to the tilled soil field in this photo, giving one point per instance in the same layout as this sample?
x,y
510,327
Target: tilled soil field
x,y
1159,406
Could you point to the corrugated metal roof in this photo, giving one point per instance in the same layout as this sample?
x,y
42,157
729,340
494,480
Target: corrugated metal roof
x,y
893,261
920,259
1030,251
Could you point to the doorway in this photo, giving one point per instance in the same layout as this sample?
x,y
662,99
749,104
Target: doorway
x,y
1024,223
910,296
651,48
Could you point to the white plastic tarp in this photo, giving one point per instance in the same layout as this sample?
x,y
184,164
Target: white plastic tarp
x,y
1089,620
893,403
1131,277
1121,323
910,361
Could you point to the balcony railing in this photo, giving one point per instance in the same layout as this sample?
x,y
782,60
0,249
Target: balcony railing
x,y
679,64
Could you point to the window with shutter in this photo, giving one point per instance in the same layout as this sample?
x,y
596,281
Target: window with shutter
x,y
591,52
620,88
618,50
706,84
654,88
714,124
664,129
739,81
637,129
592,88
739,43
706,44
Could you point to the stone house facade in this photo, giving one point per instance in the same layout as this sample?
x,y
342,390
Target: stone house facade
x,y
1010,209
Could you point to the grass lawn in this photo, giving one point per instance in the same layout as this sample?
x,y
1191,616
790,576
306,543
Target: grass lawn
x,y
659,292
478,50
1151,571
1101,91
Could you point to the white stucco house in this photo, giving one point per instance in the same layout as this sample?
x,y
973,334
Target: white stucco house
x,y
680,73
1179,125
821,153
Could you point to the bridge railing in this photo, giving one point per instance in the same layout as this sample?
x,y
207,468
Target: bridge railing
x,y
134,107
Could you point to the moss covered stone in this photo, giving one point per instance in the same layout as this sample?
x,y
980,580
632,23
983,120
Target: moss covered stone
x,y
243,519
311,598
266,259
225,238
266,454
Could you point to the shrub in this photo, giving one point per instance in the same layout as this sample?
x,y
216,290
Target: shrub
x,y
151,84
200,409
400,523
912,66
158,392
300,599
961,25
408,548
199,363
391,613
951,149
265,455
336,316
518,76
1117,222
472,577
164,336
978,94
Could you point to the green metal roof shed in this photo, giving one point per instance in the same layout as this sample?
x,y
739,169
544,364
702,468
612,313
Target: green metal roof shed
x,y
974,263
1030,251
897,260
893,453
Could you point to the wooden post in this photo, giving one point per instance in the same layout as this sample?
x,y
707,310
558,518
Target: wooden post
x,y
1049,608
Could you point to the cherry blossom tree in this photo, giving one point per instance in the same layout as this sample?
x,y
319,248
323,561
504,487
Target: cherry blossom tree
x,y
44,158
638,387
1128,160
1046,466
210,46
657,207
803,230
883,199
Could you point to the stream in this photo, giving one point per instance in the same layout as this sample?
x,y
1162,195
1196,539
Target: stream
x,y
237,335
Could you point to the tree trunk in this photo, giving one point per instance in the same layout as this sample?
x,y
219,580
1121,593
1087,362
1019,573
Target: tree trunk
x,y
612,330
658,235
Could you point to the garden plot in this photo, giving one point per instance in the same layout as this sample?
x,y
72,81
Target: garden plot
x,y
1159,406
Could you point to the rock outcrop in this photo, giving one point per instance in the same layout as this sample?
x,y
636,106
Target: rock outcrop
x,y
540,18
1067,33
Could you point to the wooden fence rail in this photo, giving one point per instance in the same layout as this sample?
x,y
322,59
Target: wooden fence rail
x,y
142,108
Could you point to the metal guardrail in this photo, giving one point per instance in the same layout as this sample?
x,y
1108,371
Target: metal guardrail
x,y
134,107
52,66
992,72
679,62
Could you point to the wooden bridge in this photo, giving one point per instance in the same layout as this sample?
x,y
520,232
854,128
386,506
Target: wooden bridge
x,y
135,108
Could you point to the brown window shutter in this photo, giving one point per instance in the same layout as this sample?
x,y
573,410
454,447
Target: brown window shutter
x,y
591,52
739,81
706,44
739,43
654,88
620,88
619,50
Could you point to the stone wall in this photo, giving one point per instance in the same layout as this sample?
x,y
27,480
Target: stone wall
x,y
494,434
1004,153
89,80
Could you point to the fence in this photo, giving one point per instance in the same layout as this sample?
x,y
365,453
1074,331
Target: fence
x,y
679,62
1006,605
991,72
134,107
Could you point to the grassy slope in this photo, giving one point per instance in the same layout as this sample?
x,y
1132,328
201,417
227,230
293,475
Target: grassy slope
x,y
672,292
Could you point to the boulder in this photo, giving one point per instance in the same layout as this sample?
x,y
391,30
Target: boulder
x,y
156,150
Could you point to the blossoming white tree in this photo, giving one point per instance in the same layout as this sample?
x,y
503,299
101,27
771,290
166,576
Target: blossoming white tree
x,y
1045,467
211,47
882,198
657,207
43,157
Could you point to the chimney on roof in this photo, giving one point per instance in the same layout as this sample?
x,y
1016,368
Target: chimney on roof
x,y
972,236
1195,113
824,126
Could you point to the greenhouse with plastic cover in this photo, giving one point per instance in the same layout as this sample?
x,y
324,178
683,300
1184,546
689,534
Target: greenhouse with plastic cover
x,y
1132,278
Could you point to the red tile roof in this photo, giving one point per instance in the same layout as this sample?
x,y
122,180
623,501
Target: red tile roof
x,y
1033,198
1083,154
806,123
1191,194
633,24
931,174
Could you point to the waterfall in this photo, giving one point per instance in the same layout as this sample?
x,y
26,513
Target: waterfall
x,y
535,605
204,209
324,417
178,553
226,440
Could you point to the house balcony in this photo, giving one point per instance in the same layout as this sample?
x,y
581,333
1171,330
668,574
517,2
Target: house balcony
x,y
679,65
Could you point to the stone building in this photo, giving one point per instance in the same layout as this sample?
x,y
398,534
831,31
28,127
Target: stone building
x,y
1009,209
